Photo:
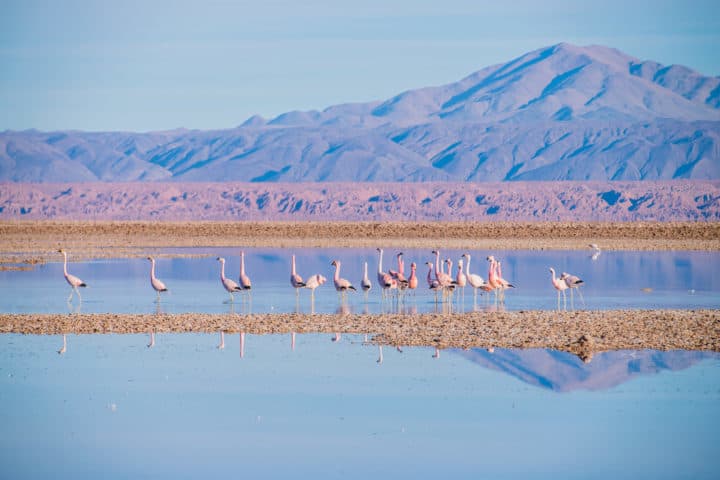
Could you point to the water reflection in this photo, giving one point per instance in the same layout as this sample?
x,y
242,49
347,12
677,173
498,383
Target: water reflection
x,y
548,369
564,372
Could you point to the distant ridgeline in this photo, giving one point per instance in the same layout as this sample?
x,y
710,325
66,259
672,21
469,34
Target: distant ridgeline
x,y
558,113
679,200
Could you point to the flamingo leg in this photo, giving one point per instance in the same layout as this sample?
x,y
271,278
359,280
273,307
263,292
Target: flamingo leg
x,y
581,296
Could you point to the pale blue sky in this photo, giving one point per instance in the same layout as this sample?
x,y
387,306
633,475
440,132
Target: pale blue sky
x,y
152,65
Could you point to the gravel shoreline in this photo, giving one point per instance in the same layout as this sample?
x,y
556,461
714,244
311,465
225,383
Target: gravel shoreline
x,y
35,242
579,332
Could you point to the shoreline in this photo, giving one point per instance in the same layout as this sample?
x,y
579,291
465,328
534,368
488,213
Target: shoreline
x,y
38,241
578,332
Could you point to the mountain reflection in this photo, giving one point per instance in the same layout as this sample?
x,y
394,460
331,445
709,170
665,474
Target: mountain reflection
x,y
565,372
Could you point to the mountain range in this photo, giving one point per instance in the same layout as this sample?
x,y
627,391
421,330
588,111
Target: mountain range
x,y
557,113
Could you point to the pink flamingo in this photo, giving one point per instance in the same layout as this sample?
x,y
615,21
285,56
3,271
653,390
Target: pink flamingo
x,y
413,280
433,283
72,280
461,278
385,280
341,285
443,278
399,275
229,285
244,279
504,284
493,280
295,280
560,286
156,283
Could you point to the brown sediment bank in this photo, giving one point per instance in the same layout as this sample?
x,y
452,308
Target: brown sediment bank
x,y
35,241
579,332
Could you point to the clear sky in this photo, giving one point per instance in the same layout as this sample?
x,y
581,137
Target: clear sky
x,y
151,65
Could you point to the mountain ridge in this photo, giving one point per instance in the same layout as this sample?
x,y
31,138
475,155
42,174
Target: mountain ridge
x,y
562,112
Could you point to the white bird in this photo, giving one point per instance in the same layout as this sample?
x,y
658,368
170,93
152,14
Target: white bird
x,y
72,280
365,283
341,285
596,251
158,285
244,279
475,281
295,280
229,285
313,282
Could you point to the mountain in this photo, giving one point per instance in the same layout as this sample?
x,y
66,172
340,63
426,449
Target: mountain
x,y
558,113
663,201
565,372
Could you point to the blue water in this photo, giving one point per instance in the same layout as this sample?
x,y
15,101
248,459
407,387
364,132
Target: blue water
x,y
614,280
110,407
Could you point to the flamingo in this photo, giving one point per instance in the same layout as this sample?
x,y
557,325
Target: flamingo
x,y
444,280
596,251
560,286
399,275
158,285
341,285
312,283
493,279
433,283
461,278
72,280
504,284
295,280
474,280
244,279
385,280
413,280
365,282
573,282
229,285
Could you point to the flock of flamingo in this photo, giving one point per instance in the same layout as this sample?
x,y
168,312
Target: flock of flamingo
x,y
393,283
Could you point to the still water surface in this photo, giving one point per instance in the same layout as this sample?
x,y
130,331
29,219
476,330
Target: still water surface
x,y
110,407
614,280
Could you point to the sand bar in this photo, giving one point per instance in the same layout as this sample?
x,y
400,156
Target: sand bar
x,y
579,332
30,241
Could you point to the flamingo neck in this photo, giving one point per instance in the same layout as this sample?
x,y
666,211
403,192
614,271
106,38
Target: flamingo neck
x,y
365,270
242,264
152,269
337,272
65,264
467,266
438,271
380,262
222,270
293,265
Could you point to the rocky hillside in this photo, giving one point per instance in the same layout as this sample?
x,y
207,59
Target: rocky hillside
x,y
558,113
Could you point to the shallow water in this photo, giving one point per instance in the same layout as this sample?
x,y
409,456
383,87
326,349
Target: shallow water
x,y
614,280
110,407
